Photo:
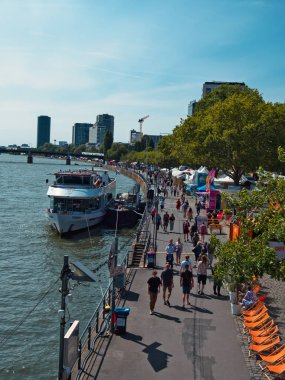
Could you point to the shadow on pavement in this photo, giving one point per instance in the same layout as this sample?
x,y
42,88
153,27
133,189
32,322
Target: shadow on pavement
x,y
158,359
166,316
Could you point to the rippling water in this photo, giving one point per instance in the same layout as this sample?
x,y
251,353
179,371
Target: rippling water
x,y
31,260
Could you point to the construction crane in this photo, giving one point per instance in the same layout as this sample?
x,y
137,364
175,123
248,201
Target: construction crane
x,y
141,123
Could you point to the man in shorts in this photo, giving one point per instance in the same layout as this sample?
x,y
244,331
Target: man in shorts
x,y
167,283
187,283
185,262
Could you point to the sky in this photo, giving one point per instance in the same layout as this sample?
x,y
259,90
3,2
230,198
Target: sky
x,y
75,59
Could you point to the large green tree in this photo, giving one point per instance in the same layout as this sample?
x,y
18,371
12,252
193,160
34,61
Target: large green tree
x,y
235,131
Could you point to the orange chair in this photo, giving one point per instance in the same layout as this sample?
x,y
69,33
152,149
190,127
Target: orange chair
x,y
263,330
277,369
257,305
257,323
259,348
254,312
262,339
275,356
256,316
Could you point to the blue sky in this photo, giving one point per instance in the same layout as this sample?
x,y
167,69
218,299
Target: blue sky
x,y
72,60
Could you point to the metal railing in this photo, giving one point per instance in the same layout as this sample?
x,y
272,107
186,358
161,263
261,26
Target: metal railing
x,y
97,325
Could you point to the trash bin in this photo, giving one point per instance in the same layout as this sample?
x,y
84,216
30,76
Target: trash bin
x,y
120,319
151,259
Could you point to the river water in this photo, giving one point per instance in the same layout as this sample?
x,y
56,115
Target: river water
x,y
31,257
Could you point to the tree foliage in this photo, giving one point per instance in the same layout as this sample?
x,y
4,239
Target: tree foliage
x,y
108,141
233,130
261,215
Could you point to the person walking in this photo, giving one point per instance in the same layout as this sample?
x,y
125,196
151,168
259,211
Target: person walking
x,y
190,214
185,262
197,251
167,283
161,203
154,284
210,250
178,205
185,206
203,231
186,230
198,208
187,283
178,251
217,283
202,274
165,221
170,248
153,212
171,222
157,219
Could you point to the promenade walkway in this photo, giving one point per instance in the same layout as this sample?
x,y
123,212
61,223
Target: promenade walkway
x,y
200,342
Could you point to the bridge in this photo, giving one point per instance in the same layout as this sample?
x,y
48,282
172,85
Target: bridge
x,y
30,152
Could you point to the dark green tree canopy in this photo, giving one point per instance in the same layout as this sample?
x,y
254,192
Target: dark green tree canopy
x,y
234,130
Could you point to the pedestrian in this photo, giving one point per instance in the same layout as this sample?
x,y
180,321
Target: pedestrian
x,y
165,221
178,205
203,231
197,251
178,251
185,206
202,274
186,230
171,222
154,284
195,239
153,212
157,219
185,262
170,249
187,283
198,208
167,283
210,250
190,214
193,229
217,283
161,202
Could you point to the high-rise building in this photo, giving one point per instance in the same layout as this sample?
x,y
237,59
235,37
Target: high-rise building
x,y
80,133
210,86
43,132
191,107
134,136
103,124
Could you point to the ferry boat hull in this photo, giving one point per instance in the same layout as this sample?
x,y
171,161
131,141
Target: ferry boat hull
x,y
77,202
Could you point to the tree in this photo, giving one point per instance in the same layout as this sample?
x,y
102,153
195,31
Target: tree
x,y
108,141
237,134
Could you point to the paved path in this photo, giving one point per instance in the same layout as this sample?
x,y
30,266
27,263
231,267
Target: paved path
x,y
199,342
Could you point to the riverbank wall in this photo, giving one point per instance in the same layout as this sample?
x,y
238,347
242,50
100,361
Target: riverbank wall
x,y
137,177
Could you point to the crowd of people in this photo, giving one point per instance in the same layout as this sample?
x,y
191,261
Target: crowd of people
x,y
203,252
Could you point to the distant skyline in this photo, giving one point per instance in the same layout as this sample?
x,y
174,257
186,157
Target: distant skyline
x,y
73,60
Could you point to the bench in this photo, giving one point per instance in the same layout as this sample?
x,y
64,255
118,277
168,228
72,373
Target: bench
x,y
214,224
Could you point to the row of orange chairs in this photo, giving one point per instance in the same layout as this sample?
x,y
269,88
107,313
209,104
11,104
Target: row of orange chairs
x,y
264,339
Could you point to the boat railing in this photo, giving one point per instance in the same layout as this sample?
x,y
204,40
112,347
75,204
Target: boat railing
x,y
99,325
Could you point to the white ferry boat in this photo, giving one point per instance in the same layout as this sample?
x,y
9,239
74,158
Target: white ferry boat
x,y
78,199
